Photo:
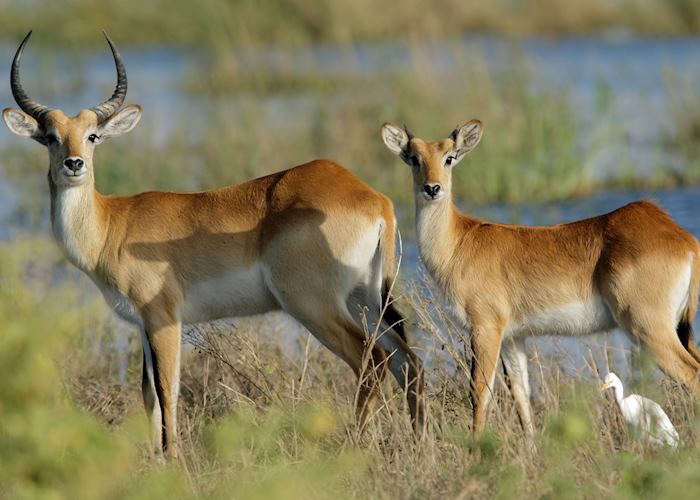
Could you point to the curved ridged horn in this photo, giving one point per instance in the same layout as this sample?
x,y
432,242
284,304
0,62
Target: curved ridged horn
x,y
105,110
408,132
32,108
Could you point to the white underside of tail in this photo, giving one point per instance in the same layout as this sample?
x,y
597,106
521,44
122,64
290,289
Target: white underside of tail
x,y
681,292
365,300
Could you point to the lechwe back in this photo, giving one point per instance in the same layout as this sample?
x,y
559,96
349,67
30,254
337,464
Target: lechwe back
x,y
313,241
633,268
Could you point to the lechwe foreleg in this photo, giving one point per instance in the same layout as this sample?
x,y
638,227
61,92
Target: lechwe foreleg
x,y
163,339
486,346
150,396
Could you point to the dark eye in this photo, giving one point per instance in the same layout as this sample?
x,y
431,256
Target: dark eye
x,y
449,160
415,161
93,137
51,139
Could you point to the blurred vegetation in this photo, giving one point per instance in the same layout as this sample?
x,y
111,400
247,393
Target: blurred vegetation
x,y
270,416
531,148
257,105
682,142
257,119
51,447
263,418
240,121
299,22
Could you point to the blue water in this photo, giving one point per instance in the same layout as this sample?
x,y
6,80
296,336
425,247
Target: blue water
x,y
633,72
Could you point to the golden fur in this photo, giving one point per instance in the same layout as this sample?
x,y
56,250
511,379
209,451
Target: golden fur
x,y
313,240
634,268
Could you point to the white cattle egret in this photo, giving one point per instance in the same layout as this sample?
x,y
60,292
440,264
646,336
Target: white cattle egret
x,y
645,416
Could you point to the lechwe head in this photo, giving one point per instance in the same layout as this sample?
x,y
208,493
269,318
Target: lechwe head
x,y
431,162
71,141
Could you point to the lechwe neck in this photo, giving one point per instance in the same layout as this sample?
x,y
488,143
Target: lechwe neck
x,y
440,229
78,222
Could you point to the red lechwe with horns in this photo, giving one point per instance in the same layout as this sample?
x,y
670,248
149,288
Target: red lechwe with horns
x,y
313,241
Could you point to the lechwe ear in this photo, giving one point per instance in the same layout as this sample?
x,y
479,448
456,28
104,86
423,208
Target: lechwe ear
x,y
22,124
466,138
122,122
395,138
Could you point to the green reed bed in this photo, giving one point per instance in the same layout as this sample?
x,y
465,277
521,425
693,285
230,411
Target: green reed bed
x,y
682,142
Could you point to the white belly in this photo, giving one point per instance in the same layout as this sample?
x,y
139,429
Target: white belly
x,y
238,293
233,294
575,318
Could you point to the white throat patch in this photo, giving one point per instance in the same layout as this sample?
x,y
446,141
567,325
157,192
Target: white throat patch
x,y
72,224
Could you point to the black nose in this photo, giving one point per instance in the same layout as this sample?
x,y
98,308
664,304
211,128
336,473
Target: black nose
x,y
431,189
73,164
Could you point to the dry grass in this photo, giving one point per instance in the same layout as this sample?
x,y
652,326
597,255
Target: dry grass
x,y
291,402
267,412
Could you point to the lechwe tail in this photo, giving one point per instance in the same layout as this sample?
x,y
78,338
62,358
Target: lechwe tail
x,y
684,329
388,248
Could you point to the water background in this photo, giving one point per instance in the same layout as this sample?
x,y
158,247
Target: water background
x,y
634,73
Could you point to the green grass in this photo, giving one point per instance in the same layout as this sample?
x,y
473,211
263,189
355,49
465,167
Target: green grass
x,y
71,429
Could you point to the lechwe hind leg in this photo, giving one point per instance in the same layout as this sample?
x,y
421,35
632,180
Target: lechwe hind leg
x,y
338,332
515,364
407,369
404,364
313,269
658,334
648,301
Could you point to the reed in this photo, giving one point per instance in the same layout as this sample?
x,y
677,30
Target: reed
x,y
681,144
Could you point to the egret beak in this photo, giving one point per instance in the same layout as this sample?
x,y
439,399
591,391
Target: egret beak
x,y
605,386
